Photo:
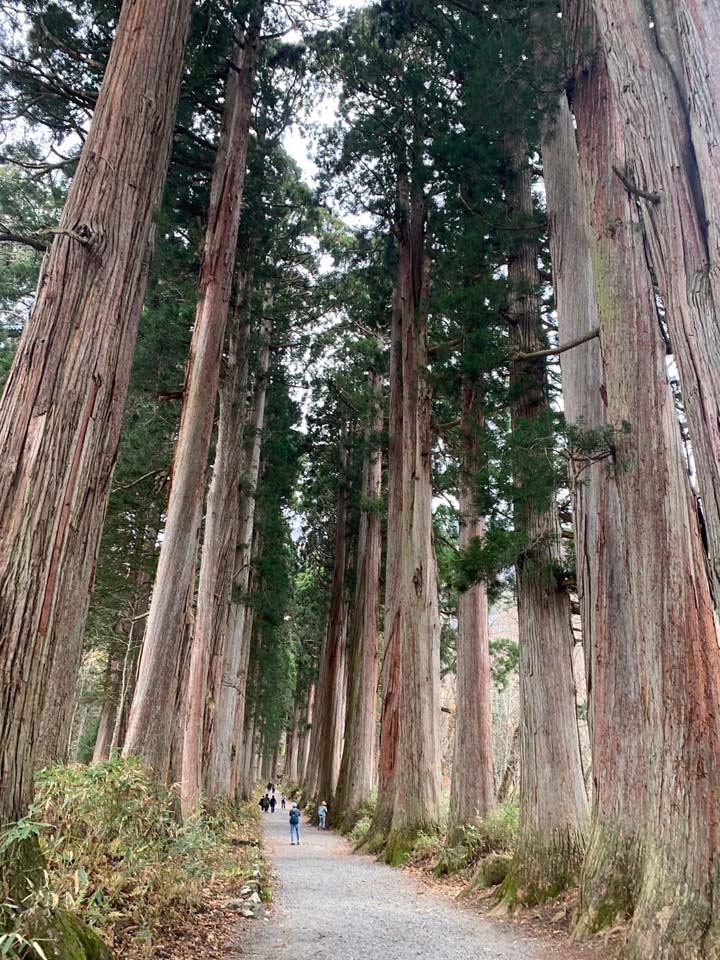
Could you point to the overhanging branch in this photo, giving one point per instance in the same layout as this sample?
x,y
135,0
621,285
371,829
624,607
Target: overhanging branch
x,y
7,236
553,351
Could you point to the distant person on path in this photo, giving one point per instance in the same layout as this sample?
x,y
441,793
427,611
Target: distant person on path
x,y
264,803
283,799
322,815
270,786
273,802
294,825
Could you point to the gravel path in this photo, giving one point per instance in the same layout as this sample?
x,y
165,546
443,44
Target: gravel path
x,y
333,905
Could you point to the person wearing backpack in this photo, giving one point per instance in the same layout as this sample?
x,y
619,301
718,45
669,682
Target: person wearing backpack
x,y
294,825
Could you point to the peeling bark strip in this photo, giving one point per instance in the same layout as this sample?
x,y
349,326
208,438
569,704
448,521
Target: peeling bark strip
x,y
653,658
553,803
472,794
357,769
62,407
669,137
151,717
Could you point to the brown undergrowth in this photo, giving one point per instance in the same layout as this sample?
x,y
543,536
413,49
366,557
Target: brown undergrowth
x,y
117,856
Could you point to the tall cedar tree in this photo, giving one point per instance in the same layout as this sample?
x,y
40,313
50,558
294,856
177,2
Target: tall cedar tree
x,y
61,409
652,847
151,717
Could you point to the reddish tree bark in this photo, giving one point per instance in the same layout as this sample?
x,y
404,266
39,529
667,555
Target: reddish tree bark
x,y
242,785
553,802
328,726
61,411
357,768
472,794
293,744
413,621
306,735
509,777
674,154
227,737
653,849
218,556
151,717
390,671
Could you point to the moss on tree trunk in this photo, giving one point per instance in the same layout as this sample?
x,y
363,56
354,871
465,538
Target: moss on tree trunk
x,y
542,867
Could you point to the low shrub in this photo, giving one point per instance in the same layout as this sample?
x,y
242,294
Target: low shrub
x,y
426,847
117,855
496,834
360,830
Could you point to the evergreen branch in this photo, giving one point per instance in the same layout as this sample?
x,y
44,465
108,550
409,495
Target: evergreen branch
x,y
342,397
446,345
72,52
553,351
40,168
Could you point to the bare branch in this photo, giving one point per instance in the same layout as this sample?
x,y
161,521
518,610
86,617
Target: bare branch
x,y
632,188
553,351
35,242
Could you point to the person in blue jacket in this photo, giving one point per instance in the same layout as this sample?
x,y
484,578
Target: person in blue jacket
x,y
294,825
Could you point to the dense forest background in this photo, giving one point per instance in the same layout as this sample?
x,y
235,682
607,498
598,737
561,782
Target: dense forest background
x,y
396,474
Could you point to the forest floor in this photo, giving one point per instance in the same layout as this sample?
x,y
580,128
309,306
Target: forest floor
x,y
331,904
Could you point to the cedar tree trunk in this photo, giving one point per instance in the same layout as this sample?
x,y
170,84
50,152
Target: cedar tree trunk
x,y
653,848
472,794
327,729
223,746
61,411
217,564
151,717
553,801
674,154
414,620
357,769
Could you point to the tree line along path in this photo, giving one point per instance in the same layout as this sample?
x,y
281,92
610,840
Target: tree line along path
x,y
360,373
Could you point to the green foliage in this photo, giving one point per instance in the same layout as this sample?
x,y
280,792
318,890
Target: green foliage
x,y
115,852
425,848
497,834
360,830
505,658
587,445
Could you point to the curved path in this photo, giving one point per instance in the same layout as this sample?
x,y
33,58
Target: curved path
x,y
331,904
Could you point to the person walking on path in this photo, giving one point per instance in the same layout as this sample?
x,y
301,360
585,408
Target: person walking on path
x,y
294,825
264,803
322,815
282,801
273,802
